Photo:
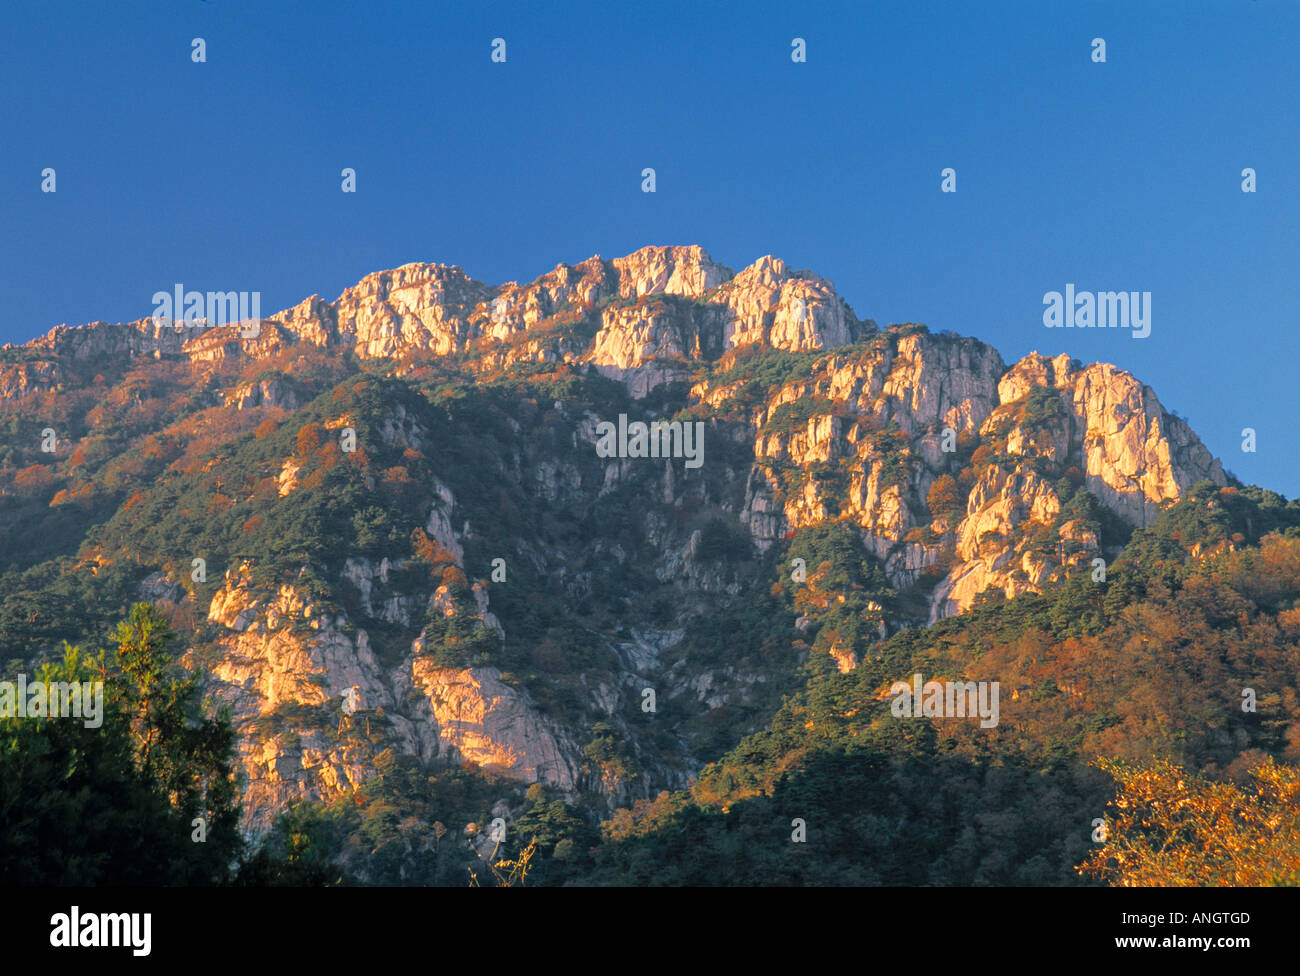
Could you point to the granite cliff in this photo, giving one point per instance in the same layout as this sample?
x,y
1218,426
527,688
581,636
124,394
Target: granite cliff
x,y
469,583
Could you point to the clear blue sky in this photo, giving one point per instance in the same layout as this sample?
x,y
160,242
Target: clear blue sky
x,y
1124,175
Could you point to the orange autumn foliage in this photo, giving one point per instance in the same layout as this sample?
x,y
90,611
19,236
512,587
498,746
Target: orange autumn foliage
x,y
1174,829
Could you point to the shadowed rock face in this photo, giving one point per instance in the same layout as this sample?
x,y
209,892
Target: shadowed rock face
x,y
854,425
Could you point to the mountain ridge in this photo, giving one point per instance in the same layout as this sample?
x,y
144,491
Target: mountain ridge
x,y
331,566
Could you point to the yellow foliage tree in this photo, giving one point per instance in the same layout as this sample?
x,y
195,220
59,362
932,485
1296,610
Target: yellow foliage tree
x,y
1173,829
508,873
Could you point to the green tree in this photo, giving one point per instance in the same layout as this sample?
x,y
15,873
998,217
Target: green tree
x,y
186,753
144,797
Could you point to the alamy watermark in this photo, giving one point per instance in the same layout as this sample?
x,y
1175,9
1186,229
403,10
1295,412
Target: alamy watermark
x,y
1099,310
55,699
75,930
658,439
946,699
212,309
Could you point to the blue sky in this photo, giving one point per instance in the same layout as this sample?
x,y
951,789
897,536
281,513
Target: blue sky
x,y
1117,176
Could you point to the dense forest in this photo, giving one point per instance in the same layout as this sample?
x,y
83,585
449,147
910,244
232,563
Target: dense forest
x,y
1148,735
1147,728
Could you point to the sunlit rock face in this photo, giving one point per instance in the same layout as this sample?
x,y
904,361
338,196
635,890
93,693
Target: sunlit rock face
x,y
949,464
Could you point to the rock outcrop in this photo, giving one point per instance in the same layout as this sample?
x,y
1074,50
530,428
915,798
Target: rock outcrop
x,y
957,472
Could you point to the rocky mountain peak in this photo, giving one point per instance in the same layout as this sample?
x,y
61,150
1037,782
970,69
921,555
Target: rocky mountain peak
x,y
687,271
951,471
438,309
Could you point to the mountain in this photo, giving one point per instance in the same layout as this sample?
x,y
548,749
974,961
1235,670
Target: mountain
x,y
388,530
